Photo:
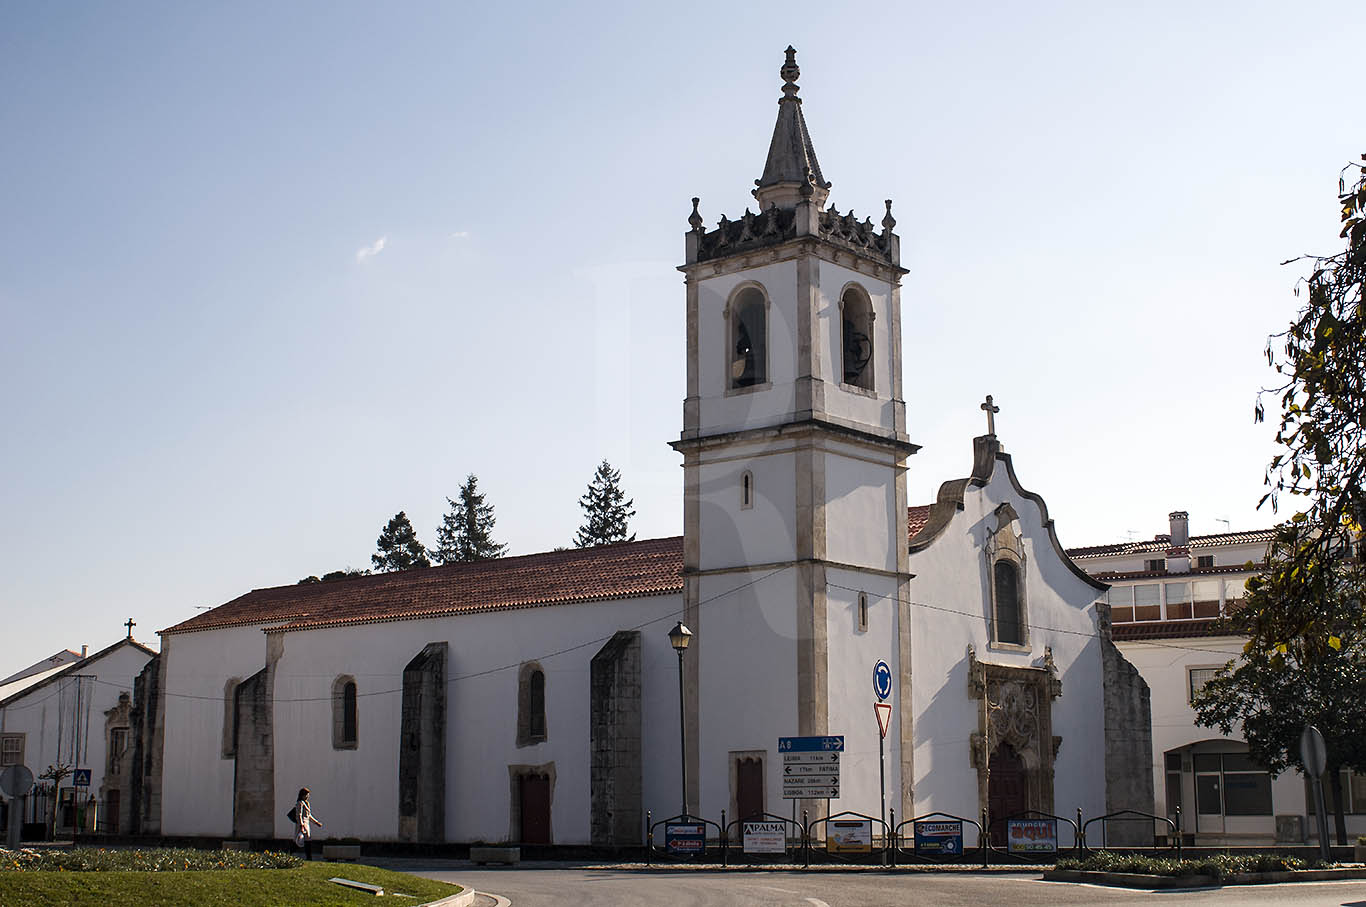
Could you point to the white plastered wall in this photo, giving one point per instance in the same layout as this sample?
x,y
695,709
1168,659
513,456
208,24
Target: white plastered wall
x,y
197,781
950,610
355,792
747,408
37,714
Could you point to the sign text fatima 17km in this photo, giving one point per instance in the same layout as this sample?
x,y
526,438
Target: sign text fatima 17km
x,y
811,767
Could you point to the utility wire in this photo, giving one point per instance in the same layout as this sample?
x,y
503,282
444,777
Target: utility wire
x,y
670,615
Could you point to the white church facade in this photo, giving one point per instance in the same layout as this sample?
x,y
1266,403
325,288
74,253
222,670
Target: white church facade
x,y
536,699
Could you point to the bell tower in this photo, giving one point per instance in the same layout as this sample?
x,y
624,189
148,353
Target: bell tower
x,y
794,447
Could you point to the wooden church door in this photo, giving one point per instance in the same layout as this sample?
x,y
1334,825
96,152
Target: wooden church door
x,y
749,787
1006,793
534,792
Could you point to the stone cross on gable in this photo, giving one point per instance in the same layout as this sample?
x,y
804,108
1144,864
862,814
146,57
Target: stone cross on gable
x,y
130,625
991,412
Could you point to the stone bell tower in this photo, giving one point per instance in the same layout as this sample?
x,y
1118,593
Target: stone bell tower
x,y
794,445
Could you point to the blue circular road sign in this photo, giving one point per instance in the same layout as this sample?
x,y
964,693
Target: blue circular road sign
x,y
882,680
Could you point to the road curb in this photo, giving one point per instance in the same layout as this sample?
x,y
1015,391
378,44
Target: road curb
x,y
1156,883
463,899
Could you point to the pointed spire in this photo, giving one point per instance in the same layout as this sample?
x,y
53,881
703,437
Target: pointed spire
x,y
791,173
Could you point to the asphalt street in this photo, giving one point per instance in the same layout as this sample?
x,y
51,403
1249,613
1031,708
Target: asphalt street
x,y
544,887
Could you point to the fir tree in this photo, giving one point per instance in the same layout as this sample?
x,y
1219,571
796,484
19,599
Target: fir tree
x,y
605,510
466,532
398,547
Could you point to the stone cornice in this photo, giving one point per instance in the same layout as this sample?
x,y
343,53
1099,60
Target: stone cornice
x,y
793,248
795,428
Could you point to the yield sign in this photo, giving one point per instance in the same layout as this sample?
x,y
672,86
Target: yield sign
x,y
884,716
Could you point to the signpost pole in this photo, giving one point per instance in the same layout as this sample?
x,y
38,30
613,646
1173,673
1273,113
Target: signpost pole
x,y
15,818
1314,756
882,782
1324,853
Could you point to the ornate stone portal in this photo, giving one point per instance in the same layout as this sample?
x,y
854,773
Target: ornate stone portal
x,y
1016,709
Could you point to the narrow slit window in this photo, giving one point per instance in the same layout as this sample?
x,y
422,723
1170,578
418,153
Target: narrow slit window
x,y
746,490
345,713
863,612
536,694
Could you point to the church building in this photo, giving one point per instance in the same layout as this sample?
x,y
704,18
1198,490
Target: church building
x,y
536,699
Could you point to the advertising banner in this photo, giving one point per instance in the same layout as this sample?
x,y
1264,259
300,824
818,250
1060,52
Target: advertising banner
x,y
939,839
1032,835
849,836
685,838
765,837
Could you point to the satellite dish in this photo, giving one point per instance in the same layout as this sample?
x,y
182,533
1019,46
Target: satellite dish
x,y
16,781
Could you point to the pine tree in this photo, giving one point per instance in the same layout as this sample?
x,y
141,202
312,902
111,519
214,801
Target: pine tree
x,y
398,547
605,510
466,532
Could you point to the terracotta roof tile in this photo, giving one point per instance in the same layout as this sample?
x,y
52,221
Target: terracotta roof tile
x,y
917,517
1161,545
1171,629
626,570
1108,575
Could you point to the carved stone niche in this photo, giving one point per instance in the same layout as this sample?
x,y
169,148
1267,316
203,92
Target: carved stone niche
x,y
1018,711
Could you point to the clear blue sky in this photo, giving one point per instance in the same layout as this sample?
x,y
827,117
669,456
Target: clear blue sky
x,y
270,272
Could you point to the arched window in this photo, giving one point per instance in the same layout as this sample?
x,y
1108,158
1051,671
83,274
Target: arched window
x,y
748,339
857,338
230,717
746,490
531,726
1009,626
345,720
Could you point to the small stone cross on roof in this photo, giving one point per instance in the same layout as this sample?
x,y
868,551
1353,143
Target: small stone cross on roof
x,y
130,624
991,412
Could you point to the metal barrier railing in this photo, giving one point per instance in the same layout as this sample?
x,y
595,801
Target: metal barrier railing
x,y
686,840
1031,846
940,844
763,840
1131,815
851,825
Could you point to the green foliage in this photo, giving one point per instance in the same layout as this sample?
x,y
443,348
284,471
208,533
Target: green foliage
x,y
1322,359
89,859
1220,866
1304,661
605,510
234,885
398,547
466,531
348,573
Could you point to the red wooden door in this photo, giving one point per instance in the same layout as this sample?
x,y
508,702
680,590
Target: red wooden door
x,y
749,787
1006,792
535,796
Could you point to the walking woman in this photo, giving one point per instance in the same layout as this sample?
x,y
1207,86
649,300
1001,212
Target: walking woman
x,y
303,824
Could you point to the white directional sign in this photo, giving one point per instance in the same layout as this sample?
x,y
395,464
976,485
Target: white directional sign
x,y
811,774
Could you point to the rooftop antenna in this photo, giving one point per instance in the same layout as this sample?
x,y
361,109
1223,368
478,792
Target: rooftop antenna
x,y
1224,521
1130,534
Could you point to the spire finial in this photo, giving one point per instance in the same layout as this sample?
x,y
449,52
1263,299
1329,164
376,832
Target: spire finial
x,y
889,222
695,219
790,73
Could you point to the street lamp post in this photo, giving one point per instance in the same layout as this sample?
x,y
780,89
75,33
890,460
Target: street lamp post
x,y
679,637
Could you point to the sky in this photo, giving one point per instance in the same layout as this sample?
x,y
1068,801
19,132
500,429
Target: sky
x,y
270,273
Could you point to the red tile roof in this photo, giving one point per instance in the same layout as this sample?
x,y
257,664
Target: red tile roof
x,y
626,570
917,517
1170,629
1161,545
1108,575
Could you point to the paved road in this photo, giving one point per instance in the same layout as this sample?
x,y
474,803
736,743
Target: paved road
x,y
628,888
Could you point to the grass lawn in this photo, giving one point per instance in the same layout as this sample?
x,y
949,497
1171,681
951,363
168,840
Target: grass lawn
x,y
306,886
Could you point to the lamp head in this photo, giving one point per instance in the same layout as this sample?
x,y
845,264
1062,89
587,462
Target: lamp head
x,y
679,637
